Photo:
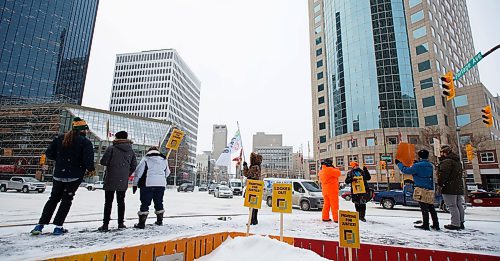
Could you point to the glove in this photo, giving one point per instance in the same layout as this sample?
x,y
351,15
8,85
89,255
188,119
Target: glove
x,y
245,164
134,189
397,161
90,174
364,168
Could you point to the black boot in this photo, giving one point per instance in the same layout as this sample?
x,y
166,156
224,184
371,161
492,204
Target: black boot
x,y
121,225
423,227
142,219
103,228
159,217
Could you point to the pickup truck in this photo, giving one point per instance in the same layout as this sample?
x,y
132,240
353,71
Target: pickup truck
x,y
24,184
388,199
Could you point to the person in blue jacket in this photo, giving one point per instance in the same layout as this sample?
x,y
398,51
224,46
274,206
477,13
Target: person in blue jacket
x,y
422,172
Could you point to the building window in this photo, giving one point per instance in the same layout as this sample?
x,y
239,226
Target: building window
x,y
446,120
370,142
417,16
353,158
426,83
461,101
317,19
321,100
392,140
319,63
463,119
322,126
487,157
318,40
319,76
321,112
428,101
414,3
317,8
317,30
352,143
319,52
413,139
369,159
431,120
465,139
321,87
423,48
322,139
338,145
340,161
419,32
424,66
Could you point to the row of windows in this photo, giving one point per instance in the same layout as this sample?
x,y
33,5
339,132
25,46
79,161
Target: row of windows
x,y
143,57
142,72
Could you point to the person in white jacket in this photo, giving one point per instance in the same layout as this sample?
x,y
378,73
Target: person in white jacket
x,y
151,177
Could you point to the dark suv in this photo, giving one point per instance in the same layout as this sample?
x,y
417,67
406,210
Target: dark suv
x,y
185,187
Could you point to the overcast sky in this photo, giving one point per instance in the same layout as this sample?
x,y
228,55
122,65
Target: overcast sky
x,y
252,58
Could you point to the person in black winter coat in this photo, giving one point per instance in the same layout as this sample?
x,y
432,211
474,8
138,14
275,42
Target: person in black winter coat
x,y
120,161
359,200
450,181
74,155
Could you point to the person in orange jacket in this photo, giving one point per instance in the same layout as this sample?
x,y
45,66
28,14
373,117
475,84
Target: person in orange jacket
x,y
329,178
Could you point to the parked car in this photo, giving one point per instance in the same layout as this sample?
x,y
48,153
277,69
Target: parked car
x,y
96,185
223,191
212,188
484,199
203,187
185,187
306,194
347,195
24,184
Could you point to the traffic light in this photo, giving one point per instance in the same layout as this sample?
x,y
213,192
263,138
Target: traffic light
x,y
448,86
383,164
43,158
470,152
487,116
392,173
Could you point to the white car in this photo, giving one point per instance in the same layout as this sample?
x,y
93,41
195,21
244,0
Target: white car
x,y
223,192
94,186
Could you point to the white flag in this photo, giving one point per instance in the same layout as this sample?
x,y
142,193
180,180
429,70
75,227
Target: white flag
x,y
234,146
224,158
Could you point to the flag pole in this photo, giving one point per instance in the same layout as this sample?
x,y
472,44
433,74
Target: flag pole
x,y
242,151
238,124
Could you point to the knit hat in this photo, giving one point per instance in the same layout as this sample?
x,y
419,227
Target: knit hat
x,y
79,124
423,154
354,164
445,149
121,135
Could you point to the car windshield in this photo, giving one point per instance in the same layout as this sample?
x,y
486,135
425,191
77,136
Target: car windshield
x,y
30,180
223,188
213,186
311,186
235,184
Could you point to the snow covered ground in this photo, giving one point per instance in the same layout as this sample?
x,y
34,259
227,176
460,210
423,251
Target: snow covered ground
x,y
196,213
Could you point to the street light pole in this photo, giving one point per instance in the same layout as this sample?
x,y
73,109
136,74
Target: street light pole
x,y
385,146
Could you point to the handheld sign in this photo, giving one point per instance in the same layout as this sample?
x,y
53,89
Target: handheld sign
x,y
282,198
349,229
358,185
406,153
175,139
253,193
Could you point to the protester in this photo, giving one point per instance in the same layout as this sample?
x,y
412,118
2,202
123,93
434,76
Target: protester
x,y
359,199
74,154
329,178
253,172
121,162
422,172
151,177
451,185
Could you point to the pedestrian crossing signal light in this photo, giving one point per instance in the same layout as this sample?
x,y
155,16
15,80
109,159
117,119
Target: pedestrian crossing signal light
x,y
383,164
43,159
448,86
487,116
470,152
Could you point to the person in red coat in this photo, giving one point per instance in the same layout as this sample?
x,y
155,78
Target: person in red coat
x,y
329,178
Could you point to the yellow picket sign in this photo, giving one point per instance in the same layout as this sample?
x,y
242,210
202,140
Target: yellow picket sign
x,y
175,139
282,198
349,229
358,185
253,193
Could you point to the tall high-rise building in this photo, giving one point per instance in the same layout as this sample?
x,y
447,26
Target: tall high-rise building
x,y
261,139
219,140
45,48
375,66
158,84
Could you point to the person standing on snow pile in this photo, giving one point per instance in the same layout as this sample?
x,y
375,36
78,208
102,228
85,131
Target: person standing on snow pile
x,y
422,172
451,185
74,155
359,199
329,178
253,172
151,177
121,162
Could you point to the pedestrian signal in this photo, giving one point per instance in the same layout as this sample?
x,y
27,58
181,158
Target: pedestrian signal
x,y
448,86
383,164
470,151
487,116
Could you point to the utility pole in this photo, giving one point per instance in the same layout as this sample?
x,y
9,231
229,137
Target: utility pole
x,y
385,147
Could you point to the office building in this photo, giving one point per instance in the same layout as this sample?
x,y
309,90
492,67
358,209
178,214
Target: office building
x,y
261,139
219,140
45,48
276,161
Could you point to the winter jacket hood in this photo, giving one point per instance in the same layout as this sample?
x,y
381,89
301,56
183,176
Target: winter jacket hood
x,y
121,162
152,171
72,161
123,144
450,175
422,172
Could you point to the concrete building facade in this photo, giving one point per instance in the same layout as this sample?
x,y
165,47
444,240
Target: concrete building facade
x,y
219,140
261,139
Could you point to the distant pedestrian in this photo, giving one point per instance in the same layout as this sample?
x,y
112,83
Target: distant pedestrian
x,y
121,162
359,199
253,172
451,184
422,172
329,178
151,177
74,155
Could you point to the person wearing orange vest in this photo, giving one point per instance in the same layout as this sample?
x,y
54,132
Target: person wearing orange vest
x,y
329,178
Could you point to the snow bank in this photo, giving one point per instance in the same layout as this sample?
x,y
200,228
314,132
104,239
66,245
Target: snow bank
x,y
259,248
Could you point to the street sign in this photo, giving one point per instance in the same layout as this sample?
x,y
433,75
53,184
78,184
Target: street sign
x,y
253,193
175,139
478,57
349,229
282,198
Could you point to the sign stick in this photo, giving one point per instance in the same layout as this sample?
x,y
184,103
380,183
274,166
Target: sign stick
x,y
168,154
349,250
281,226
249,219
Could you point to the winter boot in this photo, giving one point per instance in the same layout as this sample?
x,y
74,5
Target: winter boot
x,y
103,228
142,219
121,225
37,230
423,227
159,217
59,231
462,226
451,227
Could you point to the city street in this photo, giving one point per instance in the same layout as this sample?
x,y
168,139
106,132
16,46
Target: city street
x,y
189,214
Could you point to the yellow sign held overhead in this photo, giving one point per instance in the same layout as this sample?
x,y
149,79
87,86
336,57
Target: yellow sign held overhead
x,y
349,229
175,139
282,198
253,193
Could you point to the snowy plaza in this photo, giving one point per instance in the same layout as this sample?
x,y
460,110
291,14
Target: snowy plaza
x,y
198,213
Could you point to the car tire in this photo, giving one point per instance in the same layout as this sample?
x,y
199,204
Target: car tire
x,y
231,197
304,205
25,190
3,188
387,203
89,188
41,190
347,198
269,201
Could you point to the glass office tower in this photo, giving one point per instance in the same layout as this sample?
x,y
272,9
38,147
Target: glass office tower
x,y
45,47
